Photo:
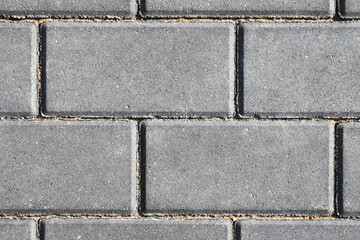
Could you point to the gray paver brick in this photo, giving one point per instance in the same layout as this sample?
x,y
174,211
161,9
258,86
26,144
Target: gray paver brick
x,y
67,167
349,8
118,229
139,69
237,167
299,69
349,168
239,8
68,8
298,229
19,229
18,69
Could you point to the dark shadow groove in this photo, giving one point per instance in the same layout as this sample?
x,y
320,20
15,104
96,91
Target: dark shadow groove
x,y
339,172
240,69
43,68
142,168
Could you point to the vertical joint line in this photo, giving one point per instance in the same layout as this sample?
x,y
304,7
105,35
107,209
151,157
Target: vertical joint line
x,y
138,172
335,214
236,60
38,235
39,68
138,12
337,16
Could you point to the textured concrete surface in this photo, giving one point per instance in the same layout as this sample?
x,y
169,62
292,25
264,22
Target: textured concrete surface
x,y
67,167
17,229
299,69
67,8
237,167
111,229
139,69
349,8
238,8
349,168
298,229
18,69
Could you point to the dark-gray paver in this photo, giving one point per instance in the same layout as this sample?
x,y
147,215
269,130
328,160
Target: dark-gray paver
x,y
18,69
139,69
67,8
67,167
238,8
349,8
349,168
17,229
298,229
307,69
118,229
237,167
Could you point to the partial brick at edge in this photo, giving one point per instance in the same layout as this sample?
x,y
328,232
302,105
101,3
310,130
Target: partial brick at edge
x,y
68,167
18,69
137,69
298,229
18,229
239,8
237,167
68,9
349,9
304,69
160,229
349,169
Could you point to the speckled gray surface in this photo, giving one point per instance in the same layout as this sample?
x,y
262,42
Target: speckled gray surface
x,y
304,69
136,229
238,8
349,9
18,229
139,69
241,167
67,167
67,8
349,168
297,229
18,69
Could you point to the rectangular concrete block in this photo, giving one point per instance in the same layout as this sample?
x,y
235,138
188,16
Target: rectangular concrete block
x,y
348,140
298,229
18,229
139,69
238,8
136,229
67,167
349,8
18,69
304,69
237,167
67,8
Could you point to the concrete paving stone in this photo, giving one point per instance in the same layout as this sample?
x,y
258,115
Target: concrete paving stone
x,y
298,229
68,8
239,8
111,229
349,168
17,229
304,69
67,167
349,9
18,69
139,69
237,167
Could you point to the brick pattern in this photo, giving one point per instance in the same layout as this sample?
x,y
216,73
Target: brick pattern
x,y
179,119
